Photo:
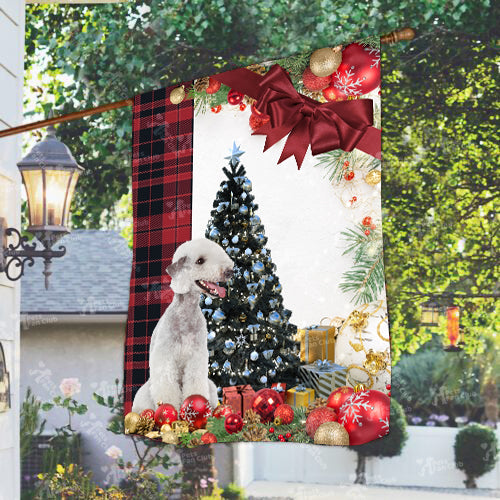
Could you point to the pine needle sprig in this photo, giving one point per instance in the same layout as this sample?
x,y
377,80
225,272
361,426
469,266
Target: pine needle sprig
x,y
203,102
295,65
370,41
366,278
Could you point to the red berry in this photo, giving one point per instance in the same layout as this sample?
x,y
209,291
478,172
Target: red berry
x,y
213,86
367,221
288,435
367,232
349,176
313,82
243,106
354,198
216,109
271,429
281,436
346,163
373,226
388,387
389,393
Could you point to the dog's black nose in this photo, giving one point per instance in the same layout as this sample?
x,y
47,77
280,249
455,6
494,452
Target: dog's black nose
x,y
228,273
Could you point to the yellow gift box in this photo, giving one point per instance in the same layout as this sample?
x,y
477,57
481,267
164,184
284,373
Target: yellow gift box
x,y
299,396
317,342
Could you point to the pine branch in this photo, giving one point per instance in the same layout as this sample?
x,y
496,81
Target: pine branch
x,y
371,41
204,102
295,65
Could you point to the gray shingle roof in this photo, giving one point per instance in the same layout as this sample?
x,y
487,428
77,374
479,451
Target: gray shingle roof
x,y
93,277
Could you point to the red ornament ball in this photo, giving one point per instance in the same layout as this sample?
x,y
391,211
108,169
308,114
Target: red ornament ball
x,y
359,72
285,413
365,416
213,86
234,97
317,417
208,438
388,387
367,232
243,106
367,221
257,121
195,411
338,397
165,414
349,176
216,109
148,413
233,423
265,402
332,93
313,82
222,411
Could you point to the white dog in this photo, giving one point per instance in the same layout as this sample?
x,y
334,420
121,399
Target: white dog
x,y
178,354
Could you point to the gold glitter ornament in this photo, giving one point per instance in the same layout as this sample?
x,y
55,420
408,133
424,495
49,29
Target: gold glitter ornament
x,y
375,362
177,95
332,434
277,421
165,428
131,420
358,320
325,61
170,437
359,388
268,336
180,427
153,435
373,177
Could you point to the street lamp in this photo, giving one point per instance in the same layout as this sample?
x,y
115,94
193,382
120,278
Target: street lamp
x,y
429,313
50,173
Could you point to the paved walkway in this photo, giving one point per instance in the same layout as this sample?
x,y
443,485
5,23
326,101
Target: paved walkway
x,y
259,490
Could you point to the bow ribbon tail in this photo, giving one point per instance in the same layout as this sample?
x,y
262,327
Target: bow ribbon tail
x,y
297,142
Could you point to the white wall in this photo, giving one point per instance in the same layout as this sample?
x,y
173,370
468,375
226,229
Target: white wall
x,y
11,88
427,460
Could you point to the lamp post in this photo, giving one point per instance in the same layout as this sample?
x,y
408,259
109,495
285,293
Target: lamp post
x,y
429,315
50,173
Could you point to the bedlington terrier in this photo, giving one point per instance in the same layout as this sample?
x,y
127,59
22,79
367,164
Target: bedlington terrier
x,y
178,359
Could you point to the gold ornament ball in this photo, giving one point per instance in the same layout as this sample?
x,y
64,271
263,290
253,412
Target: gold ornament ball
x,y
243,317
332,434
165,428
325,61
170,437
373,178
180,427
177,95
131,420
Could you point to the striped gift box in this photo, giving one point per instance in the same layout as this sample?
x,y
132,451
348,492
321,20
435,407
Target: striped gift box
x,y
323,376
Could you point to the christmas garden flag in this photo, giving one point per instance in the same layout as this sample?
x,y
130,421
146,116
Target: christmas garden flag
x,y
257,237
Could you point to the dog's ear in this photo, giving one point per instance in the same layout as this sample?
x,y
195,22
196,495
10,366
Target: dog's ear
x,y
180,282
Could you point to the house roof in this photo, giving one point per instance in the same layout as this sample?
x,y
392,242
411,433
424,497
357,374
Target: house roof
x,y
92,278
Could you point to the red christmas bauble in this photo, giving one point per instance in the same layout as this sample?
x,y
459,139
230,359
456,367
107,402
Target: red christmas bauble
x,y
233,423
285,413
349,176
148,413
367,221
332,93
257,121
213,86
265,402
234,97
313,82
208,438
195,411
359,72
243,106
338,397
165,414
317,417
365,416
222,411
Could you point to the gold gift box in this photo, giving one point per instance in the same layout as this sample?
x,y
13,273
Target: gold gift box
x,y
299,396
317,342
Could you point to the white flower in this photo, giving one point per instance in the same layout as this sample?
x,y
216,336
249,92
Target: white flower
x,y
70,386
114,452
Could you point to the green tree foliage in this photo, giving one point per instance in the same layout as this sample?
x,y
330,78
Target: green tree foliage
x,y
476,452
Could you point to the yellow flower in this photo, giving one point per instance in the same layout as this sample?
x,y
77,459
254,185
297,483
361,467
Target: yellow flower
x,y
40,476
70,468
60,469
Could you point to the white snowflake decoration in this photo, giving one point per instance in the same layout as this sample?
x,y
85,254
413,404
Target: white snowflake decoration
x,y
384,429
241,340
190,414
346,82
375,53
352,407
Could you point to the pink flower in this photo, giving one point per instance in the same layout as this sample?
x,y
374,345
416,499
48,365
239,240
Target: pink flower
x,y
114,452
70,387
203,483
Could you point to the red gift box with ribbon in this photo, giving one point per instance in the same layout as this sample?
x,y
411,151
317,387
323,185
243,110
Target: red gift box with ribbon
x,y
239,397
279,387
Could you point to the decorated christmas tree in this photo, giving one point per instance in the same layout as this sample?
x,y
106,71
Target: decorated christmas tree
x,y
250,338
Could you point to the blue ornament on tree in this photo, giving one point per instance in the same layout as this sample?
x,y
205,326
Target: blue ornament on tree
x,y
247,185
211,335
260,315
263,251
278,360
208,301
252,287
226,366
278,288
272,373
243,196
246,275
254,355
214,365
252,299
235,239
219,316
263,379
268,354
261,238
227,223
243,209
275,318
246,373
248,251
255,220
232,381
258,267
214,233
225,242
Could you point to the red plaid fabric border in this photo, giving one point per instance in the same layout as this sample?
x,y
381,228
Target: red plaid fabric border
x,y
162,172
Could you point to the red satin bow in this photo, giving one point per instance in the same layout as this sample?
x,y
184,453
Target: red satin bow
x,y
324,126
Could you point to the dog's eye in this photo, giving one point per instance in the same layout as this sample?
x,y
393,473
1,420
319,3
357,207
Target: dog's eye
x,y
200,261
